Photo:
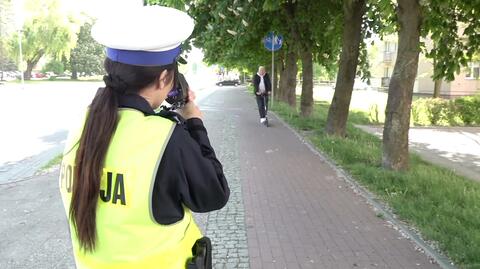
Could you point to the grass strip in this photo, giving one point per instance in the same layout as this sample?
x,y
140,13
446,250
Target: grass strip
x,y
55,161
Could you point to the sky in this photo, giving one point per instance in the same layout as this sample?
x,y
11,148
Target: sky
x,y
95,8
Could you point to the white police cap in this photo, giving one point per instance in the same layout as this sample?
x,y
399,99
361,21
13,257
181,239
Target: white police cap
x,y
146,36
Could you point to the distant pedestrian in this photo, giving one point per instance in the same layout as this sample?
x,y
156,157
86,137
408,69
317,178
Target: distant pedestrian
x,y
262,89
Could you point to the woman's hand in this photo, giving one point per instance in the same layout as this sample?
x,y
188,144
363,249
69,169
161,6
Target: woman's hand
x,y
190,110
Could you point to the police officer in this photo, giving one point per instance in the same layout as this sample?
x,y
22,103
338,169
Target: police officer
x,y
130,177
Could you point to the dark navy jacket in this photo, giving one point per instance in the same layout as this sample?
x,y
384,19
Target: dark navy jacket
x,y
189,172
266,80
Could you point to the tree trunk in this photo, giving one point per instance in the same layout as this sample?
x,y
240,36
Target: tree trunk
x,y
437,88
27,75
74,67
397,121
288,80
352,36
276,83
74,74
438,82
282,89
306,104
291,59
31,63
291,83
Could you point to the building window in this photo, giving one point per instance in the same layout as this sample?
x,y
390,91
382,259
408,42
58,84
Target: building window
x,y
389,50
473,70
390,46
386,72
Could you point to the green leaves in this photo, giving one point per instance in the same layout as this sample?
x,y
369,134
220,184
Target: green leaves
x,y
454,27
54,66
380,18
6,61
178,4
88,56
48,30
231,32
364,64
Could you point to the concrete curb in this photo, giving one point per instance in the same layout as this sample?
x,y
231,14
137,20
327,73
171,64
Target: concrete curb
x,y
442,260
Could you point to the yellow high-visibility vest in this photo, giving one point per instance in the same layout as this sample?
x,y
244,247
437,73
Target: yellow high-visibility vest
x,y
127,234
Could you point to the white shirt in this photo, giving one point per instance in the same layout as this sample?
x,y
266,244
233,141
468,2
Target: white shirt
x,y
261,86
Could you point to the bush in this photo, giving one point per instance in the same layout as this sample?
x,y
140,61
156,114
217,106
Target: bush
x,y
436,111
54,66
433,111
419,112
469,109
450,115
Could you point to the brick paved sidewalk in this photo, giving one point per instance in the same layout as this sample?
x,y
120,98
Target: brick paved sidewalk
x,y
299,212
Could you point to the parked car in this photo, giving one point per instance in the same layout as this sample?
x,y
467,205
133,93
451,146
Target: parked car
x,y
39,75
7,75
234,82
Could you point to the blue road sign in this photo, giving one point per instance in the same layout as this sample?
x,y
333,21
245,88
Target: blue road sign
x,y
272,39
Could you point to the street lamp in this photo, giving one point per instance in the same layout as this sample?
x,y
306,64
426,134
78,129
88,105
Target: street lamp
x,y
20,32
19,19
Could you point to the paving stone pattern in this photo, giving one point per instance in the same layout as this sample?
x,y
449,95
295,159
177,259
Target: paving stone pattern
x,y
300,213
288,208
226,227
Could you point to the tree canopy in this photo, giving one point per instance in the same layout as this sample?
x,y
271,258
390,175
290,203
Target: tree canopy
x,y
231,32
87,57
6,27
454,27
48,30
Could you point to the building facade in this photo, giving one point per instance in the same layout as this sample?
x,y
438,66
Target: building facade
x,y
383,54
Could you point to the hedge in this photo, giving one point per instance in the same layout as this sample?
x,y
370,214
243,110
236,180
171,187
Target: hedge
x,y
457,112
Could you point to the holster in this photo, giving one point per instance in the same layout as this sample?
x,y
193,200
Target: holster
x,y
202,254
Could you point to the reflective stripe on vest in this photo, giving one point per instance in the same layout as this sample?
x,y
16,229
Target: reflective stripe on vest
x,y
127,234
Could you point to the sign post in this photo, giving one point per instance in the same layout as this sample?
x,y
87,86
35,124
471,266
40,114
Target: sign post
x,y
273,43
273,70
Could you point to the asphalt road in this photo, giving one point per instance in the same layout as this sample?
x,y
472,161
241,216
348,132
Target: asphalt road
x,y
35,121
